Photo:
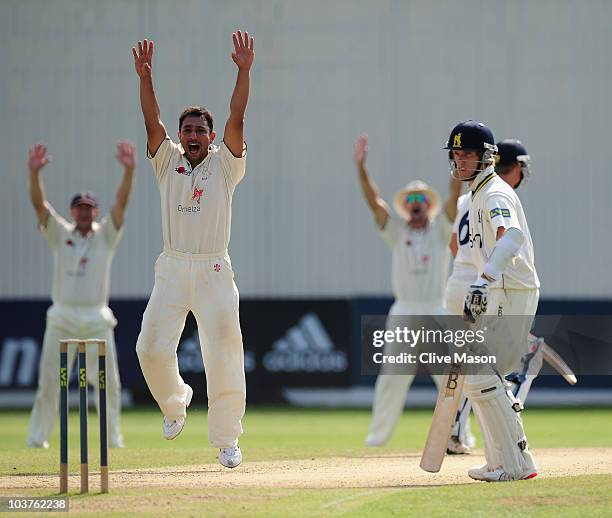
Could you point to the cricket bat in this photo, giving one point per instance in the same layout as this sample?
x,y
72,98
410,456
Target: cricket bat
x,y
553,359
443,420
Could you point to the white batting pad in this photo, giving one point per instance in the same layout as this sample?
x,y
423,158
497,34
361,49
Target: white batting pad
x,y
502,427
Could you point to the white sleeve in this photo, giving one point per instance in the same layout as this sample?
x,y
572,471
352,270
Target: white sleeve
x,y
390,232
233,167
56,229
501,212
112,234
166,152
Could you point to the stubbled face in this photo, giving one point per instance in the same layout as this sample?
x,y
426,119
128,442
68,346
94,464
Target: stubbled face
x,y
417,204
512,175
466,163
84,216
195,137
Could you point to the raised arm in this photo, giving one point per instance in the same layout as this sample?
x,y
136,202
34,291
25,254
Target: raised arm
x,y
143,59
126,155
243,56
368,187
38,159
450,205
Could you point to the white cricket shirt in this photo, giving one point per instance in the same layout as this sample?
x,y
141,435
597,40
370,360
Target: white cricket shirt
x,y
81,270
420,260
196,205
495,204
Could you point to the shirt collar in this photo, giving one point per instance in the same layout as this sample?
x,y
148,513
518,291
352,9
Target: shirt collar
x,y
482,179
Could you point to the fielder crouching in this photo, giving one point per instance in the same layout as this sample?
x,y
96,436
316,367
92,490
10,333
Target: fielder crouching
x,y
502,251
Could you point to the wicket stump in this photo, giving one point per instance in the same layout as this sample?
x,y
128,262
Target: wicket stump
x,y
82,363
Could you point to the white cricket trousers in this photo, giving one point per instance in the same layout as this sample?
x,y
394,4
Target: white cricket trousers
x,y
75,322
501,425
391,389
203,284
508,343
454,295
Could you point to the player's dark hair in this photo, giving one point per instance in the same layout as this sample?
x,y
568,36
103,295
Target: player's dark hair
x,y
196,111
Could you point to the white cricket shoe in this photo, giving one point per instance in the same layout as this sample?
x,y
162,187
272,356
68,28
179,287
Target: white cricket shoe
x,y
35,444
499,475
456,447
477,473
230,457
174,427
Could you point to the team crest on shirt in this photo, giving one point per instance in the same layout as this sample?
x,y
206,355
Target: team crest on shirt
x,y
69,242
197,194
183,170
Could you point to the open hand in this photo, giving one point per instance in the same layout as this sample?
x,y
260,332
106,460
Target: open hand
x,y
361,149
143,58
37,157
243,54
126,153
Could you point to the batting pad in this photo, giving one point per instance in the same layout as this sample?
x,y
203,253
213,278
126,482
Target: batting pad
x,y
501,425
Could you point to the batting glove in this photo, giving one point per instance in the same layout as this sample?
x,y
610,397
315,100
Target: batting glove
x,y
475,301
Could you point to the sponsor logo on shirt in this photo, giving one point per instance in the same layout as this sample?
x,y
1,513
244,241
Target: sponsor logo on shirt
x,y
185,210
183,170
475,241
505,213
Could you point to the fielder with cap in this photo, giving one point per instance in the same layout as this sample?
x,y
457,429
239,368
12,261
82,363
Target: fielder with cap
x,y
507,284
418,240
82,254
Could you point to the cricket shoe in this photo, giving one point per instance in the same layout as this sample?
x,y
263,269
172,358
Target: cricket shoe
x,y
478,472
35,444
456,447
230,457
499,475
174,427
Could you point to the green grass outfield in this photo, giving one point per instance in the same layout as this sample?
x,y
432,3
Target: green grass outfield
x,y
287,433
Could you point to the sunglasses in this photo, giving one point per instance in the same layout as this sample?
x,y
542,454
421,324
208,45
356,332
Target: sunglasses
x,y
414,197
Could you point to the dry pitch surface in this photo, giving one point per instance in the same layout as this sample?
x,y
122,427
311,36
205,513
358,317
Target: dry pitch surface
x,y
373,471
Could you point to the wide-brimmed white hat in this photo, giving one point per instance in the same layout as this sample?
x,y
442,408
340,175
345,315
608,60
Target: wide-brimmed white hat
x,y
412,187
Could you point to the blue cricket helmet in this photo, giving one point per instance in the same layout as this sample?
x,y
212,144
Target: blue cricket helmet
x,y
512,151
471,135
